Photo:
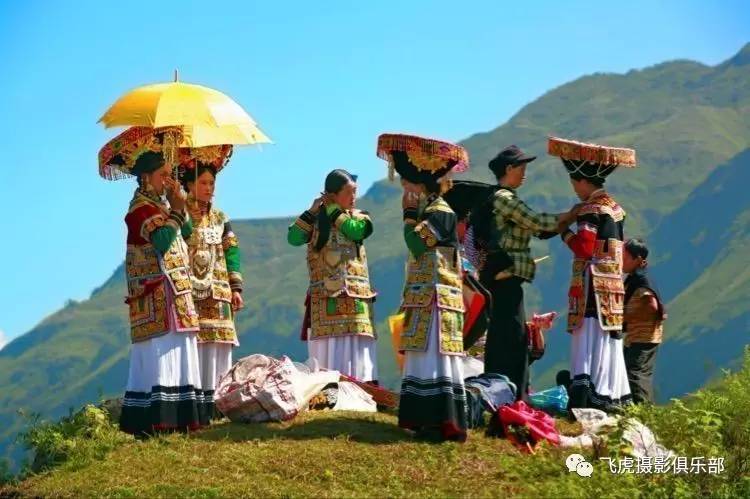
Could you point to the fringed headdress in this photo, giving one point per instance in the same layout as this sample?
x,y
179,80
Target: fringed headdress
x,y
119,157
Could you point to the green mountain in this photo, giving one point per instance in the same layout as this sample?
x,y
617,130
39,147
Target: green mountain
x,y
684,118
702,263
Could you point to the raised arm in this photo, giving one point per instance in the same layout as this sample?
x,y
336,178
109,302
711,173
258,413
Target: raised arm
x,y
162,231
582,242
356,227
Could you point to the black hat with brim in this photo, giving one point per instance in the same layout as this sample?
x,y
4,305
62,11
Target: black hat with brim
x,y
511,155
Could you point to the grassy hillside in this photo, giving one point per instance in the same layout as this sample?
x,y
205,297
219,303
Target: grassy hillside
x,y
328,454
684,118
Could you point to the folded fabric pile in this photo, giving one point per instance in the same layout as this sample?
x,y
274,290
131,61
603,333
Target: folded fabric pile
x,y
259,388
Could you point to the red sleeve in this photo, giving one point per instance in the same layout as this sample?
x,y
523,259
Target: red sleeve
x,y
582,243
141,221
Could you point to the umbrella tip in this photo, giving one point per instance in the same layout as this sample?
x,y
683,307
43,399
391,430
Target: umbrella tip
x,y
176,75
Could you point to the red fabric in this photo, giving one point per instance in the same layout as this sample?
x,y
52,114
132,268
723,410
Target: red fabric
x,y
582,243
461,231
540,425
473,310
135,219
535,329
306,319
453,432
449,431
148,288
575,292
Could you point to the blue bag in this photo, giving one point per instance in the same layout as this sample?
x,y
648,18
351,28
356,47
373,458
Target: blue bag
x,y
553,401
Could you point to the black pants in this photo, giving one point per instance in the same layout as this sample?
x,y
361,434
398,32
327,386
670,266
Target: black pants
x,y
506,350
640,359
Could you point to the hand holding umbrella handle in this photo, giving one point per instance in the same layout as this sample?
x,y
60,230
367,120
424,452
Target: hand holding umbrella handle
x,y
175,196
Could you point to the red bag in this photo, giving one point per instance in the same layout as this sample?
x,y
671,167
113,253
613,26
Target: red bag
x,y
535,330
526,427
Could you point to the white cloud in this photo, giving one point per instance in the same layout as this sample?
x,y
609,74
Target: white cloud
x,y
3,339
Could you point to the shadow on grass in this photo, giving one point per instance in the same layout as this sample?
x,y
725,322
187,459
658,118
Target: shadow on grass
x,y
372,430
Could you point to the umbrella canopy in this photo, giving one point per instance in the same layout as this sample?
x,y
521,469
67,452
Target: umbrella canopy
x,y
207,116
242,134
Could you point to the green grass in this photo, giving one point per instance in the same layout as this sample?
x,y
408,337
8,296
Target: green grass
x,y
329,454
321,455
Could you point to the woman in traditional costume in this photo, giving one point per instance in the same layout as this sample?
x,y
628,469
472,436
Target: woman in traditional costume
x,y
214,264
596,294
339,324
164,386
433,398
643,324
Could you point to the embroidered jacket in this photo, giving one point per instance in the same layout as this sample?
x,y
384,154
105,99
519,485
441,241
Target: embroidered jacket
x,y
596,288
156,264
340,291
433,277
215,272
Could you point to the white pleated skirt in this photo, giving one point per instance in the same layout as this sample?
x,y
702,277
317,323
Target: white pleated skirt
x,y
215,359
432,389
598,373
354,356
168,360
164,388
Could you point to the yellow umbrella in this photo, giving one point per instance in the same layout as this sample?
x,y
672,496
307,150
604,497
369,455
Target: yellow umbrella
x,y
207,116
200,136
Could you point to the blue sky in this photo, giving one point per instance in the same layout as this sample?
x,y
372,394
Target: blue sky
x,y
321,78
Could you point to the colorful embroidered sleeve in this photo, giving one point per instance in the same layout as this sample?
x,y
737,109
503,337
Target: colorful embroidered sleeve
x,y
414,243
149,218
436,228
355,228
509,207
300,231
582,243
163,237
231,247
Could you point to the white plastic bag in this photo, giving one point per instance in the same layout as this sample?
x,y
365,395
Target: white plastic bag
x,y
472,366
353,398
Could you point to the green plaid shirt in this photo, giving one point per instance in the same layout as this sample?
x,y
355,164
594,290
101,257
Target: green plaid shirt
x,y
516,223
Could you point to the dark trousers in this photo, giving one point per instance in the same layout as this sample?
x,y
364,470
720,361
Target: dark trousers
x,y
640,359
506,351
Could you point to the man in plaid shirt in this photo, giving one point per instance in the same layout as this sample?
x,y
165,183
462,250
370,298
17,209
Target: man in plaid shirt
x,y
506,351
516,223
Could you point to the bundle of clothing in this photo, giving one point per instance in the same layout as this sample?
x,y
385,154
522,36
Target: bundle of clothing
x,y
259,388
